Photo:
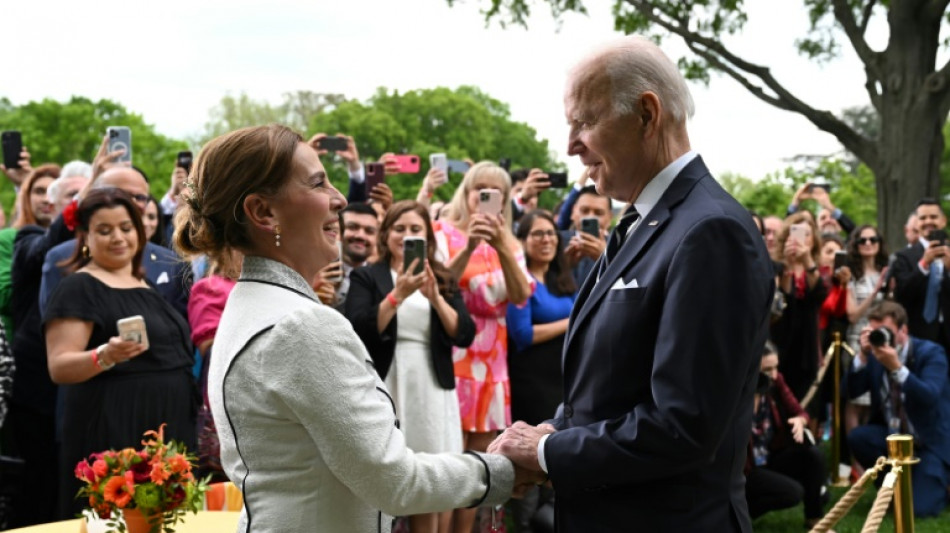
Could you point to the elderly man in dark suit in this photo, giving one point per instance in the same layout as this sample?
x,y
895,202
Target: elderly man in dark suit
x,y
907,379
662,352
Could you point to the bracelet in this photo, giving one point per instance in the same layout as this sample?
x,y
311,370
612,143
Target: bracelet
x,y
392,300
95,359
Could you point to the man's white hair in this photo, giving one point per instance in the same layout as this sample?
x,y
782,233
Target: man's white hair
x,y
71,169
636,65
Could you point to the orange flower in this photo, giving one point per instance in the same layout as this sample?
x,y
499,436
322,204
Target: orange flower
x,y
178,463
117,492
159,474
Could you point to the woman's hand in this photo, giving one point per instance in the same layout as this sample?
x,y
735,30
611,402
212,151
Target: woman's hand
x,y
332,274
430,285
119,351
843,275
407,282
793,252
797,424
880,280
479,230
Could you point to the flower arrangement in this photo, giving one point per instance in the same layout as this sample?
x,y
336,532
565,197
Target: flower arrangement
x,y
156,480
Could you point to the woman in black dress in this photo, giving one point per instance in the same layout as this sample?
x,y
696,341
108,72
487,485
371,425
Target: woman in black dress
x,y
114,389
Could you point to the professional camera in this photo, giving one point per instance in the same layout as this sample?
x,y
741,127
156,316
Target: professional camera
x,y
881,337
764,384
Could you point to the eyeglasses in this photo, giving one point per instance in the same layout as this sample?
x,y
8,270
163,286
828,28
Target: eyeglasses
x,y
140,198
540,234
869,240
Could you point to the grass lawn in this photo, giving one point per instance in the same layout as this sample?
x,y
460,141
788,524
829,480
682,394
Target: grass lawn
x,y
791,520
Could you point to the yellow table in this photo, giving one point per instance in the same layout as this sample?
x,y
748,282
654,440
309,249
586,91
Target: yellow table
x,y
203,522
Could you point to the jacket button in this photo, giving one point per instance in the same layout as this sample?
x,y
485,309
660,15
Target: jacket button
x,y
568,411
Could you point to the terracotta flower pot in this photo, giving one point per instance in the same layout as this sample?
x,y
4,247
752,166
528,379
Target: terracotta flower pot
x,y
136,522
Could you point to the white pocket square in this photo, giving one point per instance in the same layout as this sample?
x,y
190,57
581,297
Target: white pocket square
x,y
620,285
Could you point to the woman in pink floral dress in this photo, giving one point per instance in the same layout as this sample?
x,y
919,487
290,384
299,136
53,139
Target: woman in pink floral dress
x,y
488,261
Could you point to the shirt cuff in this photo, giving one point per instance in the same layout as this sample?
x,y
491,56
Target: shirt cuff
x,y
900,375
857,365
357,175
920,265
792,208
168,204
541,461
836,214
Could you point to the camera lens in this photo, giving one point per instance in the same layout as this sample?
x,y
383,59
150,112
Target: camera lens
x,y
881,337
483,196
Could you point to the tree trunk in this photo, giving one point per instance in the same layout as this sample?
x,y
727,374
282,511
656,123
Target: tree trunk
x,y
910,146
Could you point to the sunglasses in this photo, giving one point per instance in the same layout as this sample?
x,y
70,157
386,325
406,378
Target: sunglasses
x,y
869,240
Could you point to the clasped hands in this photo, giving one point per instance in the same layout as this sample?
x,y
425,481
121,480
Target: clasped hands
x,y
519,443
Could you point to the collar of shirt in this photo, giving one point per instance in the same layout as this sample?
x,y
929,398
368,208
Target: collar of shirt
x,y
654,190
924,242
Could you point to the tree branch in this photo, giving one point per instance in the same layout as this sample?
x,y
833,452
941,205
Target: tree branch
x,y
866,16
713,51
855,34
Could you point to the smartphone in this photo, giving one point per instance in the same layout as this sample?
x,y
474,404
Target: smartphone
x,y
558,179
841,259
825,186
120,138
439,161
12,146
375,174
938,235
505,163
184,160
333,144
408,164
457,165
591,226
133,329
489,201
414,248
798,232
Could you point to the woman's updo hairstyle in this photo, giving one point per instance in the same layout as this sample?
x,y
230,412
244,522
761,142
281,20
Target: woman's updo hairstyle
x,y
228,169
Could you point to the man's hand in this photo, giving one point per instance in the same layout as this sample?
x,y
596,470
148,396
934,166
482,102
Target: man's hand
x,y
887,356
864,344
520,444
934,251
585,245
17,175
803,193
536,182
178,183
383,194
105,160
351,155
820,195
390,164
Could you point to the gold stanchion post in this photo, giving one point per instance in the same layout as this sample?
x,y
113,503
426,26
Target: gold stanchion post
x,y
900,449
837,425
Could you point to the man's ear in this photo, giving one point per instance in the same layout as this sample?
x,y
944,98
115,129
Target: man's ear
x,y
259,212
650,110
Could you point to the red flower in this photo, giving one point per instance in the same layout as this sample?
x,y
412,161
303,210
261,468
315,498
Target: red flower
x,y
69,215
100,468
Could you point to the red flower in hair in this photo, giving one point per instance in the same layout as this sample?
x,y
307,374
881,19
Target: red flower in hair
x,y
69,215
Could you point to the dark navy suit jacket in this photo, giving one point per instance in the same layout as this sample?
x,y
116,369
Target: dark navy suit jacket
x,y
658,379
170,276
926,394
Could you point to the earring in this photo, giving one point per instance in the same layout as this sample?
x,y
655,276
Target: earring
x,y
85,252
277,235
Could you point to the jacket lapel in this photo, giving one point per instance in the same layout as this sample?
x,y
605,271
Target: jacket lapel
x,y
383,276
633,247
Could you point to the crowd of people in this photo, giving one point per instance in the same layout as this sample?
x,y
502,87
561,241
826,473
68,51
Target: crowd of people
x,y
340,354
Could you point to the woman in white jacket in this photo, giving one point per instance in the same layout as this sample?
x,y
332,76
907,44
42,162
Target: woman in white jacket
x,y
307,428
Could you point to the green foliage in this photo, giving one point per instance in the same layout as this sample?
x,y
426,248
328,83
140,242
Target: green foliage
x,y
295,111
854,192
60,132
464,123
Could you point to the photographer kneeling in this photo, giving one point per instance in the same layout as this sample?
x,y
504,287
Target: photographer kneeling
x,y
907,379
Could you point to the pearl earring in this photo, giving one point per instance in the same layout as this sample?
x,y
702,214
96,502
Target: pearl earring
x,y
277,235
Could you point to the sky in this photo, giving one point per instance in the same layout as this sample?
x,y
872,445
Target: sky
x,y
173,60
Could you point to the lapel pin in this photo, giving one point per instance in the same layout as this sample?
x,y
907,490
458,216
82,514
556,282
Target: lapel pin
x,y
652,223
152,257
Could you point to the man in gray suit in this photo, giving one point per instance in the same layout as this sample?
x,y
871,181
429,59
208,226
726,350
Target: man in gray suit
x,y
662,352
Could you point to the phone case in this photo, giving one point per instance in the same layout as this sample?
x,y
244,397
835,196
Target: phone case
x,y
333,144
414,248
457,165
133,328
120,138
489,201
408,164
591,226
797,233
12,146
841,259
439,161
558,179
184,160
375,174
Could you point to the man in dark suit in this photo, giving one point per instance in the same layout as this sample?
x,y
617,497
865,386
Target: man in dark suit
x,y
907,379
921,273
663,349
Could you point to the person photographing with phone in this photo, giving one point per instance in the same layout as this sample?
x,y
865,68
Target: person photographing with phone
x,y
920,272
408,311
474,233
114,387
